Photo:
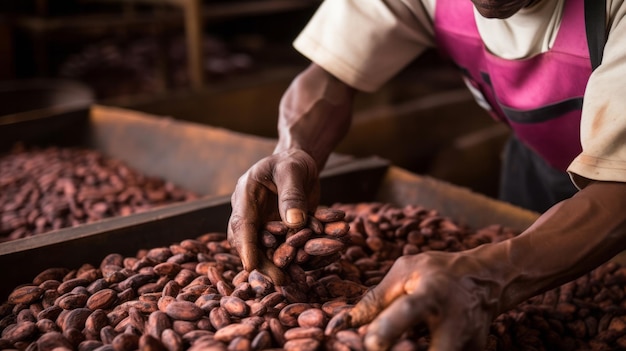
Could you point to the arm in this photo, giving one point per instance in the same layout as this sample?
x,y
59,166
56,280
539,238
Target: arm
x,y
572,238
315,114
457,295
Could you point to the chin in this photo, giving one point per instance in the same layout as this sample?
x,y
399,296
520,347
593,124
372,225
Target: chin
x,y
488,9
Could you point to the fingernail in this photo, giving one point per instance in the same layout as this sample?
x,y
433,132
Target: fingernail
x,y
294,216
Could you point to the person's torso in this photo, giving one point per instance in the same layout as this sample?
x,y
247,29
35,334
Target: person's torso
x,y
540,95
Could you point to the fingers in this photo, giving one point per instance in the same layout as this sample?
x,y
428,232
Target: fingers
x,y
401,315
449,332
294,182
378,298
243,224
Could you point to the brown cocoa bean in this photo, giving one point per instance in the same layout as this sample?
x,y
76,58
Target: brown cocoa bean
x,y
157,322
47,326
326,215
50,274
169,269
25,295
272,299
302,345
20,332
125,342
89,345
323,246
235,306
276,228
230,332
299,238
171,340
336,229
304,333
312,317
51,313
76,318
149,343
164,301
239,344
288,316
96,321
219,317
283,255
183,327
315,225
262,340
53,340
260,283
70,284
74,336
184,310
70,301
50,285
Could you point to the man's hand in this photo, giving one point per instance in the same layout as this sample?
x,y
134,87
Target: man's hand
x,y
432,289
284,186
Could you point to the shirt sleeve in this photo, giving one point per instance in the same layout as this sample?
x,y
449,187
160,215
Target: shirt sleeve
x,y
365,43
603,123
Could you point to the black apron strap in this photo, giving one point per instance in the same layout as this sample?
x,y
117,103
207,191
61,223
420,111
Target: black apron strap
x,y
595,26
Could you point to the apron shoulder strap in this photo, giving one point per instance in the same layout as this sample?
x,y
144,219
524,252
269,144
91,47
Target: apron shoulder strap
x,y
595,26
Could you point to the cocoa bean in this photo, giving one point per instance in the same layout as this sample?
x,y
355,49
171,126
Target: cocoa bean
x,y
219,318
55,274
125,342
71,301
276,227
299,238
157,322
53,340
283,255
288,316
235,306
149,343
326,215
304,333
25,295
20,332
312,317
171,340
336,229
184,310
232,331
323,246
302,345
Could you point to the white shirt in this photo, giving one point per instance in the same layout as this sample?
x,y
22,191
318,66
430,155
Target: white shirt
x,y
367,42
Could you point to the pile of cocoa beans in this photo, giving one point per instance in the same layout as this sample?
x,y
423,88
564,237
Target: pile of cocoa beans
x,y
51,188
194,294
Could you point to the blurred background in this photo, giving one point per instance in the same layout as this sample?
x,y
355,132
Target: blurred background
x,y
226,63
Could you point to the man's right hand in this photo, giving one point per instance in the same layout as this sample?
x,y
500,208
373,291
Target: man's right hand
x,y
283,186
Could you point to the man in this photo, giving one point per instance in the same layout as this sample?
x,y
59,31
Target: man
x,y
530,63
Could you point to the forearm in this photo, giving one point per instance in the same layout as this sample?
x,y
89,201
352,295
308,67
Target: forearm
x,y
315,114
572,238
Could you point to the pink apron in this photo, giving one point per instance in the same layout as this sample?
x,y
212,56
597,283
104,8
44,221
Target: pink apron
x,y
540,97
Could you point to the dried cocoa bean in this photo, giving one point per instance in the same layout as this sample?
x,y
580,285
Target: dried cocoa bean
x,y
25,295
232,331
184,310
323,246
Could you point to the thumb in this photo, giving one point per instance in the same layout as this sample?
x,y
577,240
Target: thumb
x,y
294,181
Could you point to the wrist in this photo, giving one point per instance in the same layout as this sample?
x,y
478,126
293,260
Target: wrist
x,y
314,114
487,269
